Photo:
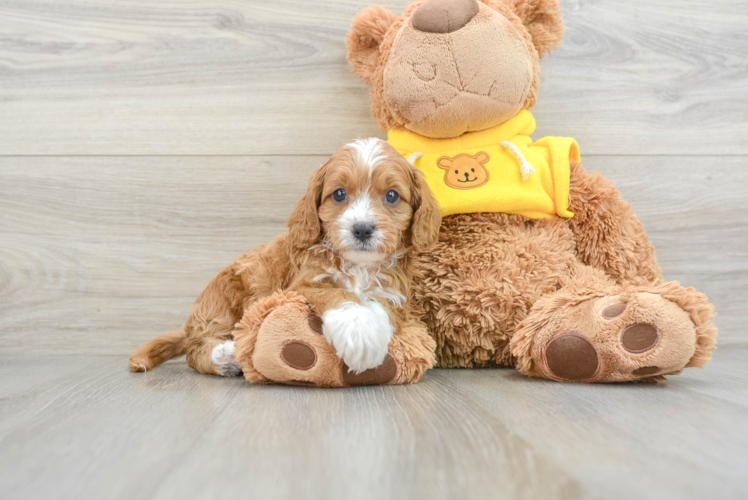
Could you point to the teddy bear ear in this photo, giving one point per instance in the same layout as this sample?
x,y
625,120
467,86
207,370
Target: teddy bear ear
x,y
444,162
363,40
542,19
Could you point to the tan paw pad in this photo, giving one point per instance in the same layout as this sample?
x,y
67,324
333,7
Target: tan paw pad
x,y
299,355
315,323
645,371
382,374
570,356
639,337
613,311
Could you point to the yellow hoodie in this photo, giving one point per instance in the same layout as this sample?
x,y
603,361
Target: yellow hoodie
x,y
495,170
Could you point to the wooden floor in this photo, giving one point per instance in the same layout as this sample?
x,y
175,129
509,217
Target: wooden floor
x,y
143,145
82,427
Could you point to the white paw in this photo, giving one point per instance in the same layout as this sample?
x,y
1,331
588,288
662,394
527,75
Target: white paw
x,y
360,333
224,358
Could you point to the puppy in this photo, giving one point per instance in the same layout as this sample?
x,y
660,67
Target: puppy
x,y
348,251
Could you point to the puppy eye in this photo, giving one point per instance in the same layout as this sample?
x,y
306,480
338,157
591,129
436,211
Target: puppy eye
x,y
391,197
339,195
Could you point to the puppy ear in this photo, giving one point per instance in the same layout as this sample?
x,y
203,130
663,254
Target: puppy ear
x,y
363,40
304,227
427,217
542,19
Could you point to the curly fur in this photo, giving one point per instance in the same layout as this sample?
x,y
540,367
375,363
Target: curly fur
x,y
310,260
489,272
494,281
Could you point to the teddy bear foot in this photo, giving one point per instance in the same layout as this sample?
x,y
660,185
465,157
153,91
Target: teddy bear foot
x,y
633,336
280,340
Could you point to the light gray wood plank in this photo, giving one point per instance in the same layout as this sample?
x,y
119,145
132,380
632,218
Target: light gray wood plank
x,y
99,254
83,427
643,77
256,77
120,247
692,209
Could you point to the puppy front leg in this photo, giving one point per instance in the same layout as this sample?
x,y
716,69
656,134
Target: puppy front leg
x,y
360,333
359,328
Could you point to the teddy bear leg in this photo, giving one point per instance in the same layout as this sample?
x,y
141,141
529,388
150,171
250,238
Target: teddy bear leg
x,y
607,232
584,333
280,340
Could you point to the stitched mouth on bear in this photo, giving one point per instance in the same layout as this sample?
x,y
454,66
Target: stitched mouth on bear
x,y
467,177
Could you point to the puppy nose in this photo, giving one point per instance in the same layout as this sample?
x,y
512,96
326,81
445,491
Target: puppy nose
x,y
362,231
444,16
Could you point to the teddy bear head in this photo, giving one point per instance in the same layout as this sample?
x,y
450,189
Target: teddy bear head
x,y
464,171
446,67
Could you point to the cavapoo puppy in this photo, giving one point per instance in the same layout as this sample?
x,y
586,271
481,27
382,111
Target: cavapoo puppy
x,y
348,253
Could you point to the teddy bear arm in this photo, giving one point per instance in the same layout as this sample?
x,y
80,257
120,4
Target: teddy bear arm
x,y
607,232
280,339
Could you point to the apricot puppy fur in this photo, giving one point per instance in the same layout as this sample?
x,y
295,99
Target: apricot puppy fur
x,y
348,252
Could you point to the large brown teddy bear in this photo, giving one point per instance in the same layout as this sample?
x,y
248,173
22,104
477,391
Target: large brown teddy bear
x,y
540,264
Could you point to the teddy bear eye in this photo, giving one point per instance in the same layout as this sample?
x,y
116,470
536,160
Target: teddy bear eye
x,y
457,171
472,170
339,195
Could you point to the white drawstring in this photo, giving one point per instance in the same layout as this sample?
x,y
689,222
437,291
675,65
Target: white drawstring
x,y
412,158
525,166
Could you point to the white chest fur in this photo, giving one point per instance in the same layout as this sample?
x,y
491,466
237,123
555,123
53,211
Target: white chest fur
x,y
366,282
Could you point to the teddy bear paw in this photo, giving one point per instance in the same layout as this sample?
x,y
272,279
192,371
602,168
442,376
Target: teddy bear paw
x,y
633,337
291,348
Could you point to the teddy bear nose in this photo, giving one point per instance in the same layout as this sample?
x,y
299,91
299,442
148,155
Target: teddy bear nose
x,y
444,16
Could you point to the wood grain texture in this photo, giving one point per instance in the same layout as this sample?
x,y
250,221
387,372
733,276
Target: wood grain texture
x,y
144,145
83,427
99,254
255,77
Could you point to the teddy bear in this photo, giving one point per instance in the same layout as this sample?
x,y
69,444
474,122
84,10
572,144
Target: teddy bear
x,y
539,264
